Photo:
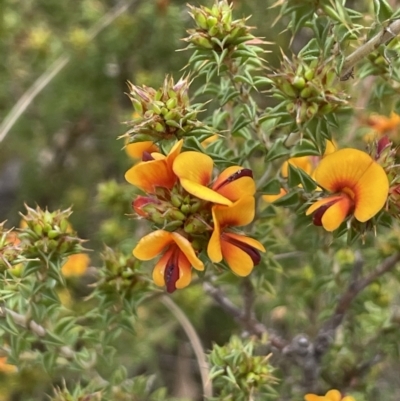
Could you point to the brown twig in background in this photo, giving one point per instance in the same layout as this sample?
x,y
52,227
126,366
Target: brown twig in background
x,y
26,99
252,325
381,38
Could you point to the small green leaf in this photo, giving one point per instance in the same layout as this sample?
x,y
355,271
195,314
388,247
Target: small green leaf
x,y
277,150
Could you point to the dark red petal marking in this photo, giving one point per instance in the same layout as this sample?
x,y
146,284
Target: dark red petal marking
x,y
383,143
171,273
245,172
146,156
251,251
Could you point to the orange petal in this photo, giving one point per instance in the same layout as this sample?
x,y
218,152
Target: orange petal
x,y
238,260
342,169
159,268
202,192
335,214
186,247
333,395
136,150
185,271
194,166
240,213
331,147
149,175
371,192
214,245
152,244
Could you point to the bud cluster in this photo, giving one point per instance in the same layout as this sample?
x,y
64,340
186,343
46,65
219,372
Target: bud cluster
x,y
120,272
48,233
10,248
173,209
307,89
236,368
215,28
162,114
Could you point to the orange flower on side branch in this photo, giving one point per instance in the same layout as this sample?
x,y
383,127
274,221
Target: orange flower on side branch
x,y
174,267
195,169
358,184
240,252
331,395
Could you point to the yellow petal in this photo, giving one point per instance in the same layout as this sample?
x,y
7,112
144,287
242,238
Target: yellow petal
x,y
185,271
214,244
321,202
304,163
186,247
173,153
336,214
238,260
159,268
202,192
333,395
273,198
371,192
240,213
236,189
194,166
249,241
76,265
342,169
152,244
348,398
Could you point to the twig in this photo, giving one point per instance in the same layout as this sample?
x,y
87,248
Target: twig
x,y
34,327
26,99
381,38
195,341
252,325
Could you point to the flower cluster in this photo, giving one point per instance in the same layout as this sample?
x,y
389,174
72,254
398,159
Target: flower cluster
x,y
193,213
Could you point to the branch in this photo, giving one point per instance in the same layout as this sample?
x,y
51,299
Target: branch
x,y
26,99
34,327
381,38
251,324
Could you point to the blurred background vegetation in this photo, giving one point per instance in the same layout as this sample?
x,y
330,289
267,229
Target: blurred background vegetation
x,y
64,151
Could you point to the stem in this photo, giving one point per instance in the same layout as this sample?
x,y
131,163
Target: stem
x,y
379,39
195,342
26,99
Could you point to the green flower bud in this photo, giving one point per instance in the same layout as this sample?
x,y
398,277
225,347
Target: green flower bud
x,y
176,200
306,92
299,82
211,21
288,89
171,103
201,20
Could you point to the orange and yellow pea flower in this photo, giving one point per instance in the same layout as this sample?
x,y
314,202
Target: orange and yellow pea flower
x,y
358,184
331,395
382,124
240,252
195,169
6,367
173,270
157,172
